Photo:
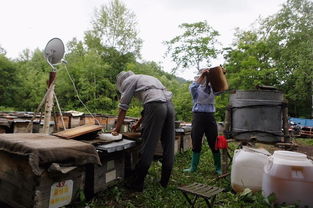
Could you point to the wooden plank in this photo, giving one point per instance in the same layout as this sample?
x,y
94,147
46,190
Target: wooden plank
x,y
78,131
132,135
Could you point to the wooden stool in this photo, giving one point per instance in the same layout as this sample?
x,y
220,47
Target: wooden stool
x,y
208,193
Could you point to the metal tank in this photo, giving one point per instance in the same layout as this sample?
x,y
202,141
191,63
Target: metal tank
x,y
257,115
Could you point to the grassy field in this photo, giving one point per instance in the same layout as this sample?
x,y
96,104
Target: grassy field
x,y
156,196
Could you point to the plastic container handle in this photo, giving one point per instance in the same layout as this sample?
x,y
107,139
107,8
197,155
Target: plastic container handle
x,y
268,166
236,152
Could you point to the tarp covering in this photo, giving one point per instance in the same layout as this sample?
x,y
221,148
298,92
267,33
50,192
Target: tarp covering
x,y
302,121
43,150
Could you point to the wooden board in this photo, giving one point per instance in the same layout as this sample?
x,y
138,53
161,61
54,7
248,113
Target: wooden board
x,y
132,135
78,131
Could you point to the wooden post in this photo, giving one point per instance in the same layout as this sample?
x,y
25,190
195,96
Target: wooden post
x,y
49,103
227,122
227,125
285,122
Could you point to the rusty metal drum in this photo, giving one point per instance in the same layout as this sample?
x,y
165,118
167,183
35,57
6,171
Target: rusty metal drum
x,y
257,115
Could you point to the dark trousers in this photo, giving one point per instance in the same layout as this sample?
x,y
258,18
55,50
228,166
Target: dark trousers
x,y
203,124
158,123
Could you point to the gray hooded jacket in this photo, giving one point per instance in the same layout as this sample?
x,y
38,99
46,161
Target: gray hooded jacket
x,y
146,88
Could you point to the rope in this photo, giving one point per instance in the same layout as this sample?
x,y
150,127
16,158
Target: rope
x,y
77,95
60,111
30,124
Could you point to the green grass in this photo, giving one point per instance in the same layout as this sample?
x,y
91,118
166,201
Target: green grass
x,y
155,196
304,141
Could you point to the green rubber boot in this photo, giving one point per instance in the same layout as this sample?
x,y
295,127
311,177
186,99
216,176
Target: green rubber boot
x,y
194,162
217,162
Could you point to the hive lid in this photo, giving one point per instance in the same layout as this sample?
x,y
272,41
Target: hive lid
x,y
291,158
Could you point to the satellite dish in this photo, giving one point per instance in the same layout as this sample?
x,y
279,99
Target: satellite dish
x,y
54,51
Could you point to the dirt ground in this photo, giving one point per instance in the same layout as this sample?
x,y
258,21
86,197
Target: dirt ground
x,y
297,147
308,150
294,146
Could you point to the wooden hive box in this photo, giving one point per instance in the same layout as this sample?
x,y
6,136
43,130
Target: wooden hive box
x,y
3,129
31,174
185,136
20,187
111,122
186,142
218,79
177,144
20,126
94,120
59,124
111,171
5,126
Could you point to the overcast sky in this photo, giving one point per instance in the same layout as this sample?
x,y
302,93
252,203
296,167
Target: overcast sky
x,y
32,23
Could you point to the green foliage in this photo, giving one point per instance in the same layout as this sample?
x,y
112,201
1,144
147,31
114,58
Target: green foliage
x,y
183,102
115,27
197,44
305,141
8,76
33,74
6,109
278,53
247,64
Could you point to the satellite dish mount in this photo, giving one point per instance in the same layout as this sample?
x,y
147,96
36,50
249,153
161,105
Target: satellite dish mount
x,y
54,52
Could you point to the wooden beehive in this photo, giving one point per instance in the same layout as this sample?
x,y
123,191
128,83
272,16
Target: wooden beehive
x,y
186,142
20,187
217,79
111,171
177,144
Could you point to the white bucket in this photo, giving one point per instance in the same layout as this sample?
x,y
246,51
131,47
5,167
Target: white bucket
x,y
289,175
247,169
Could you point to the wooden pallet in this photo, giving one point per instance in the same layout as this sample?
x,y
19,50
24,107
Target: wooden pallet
x,y
78,131
208,193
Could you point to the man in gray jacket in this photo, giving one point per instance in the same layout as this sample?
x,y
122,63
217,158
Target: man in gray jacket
x,y
158,122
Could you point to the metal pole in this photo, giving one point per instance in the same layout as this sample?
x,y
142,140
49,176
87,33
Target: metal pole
x,y
49,103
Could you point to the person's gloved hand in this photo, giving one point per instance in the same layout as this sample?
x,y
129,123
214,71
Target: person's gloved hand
x,y
135,127
115,132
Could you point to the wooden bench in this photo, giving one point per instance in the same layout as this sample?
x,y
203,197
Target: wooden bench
x,y
208,193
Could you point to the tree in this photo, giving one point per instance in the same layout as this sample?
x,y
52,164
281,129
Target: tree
x,y
195,46
33,73
248,63
279,52
291,31
115,27
8,82
86,78
2,51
